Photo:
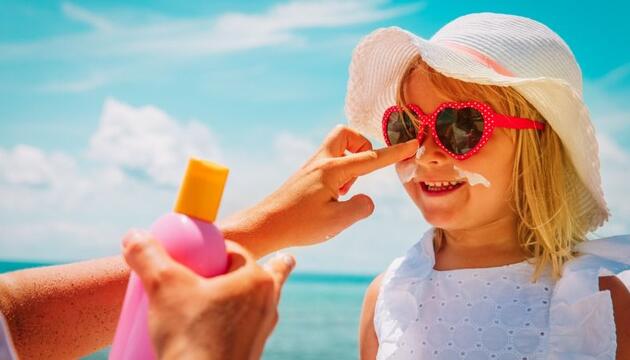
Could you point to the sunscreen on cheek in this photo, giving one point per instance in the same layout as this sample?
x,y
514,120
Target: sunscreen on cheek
x,y
407,168
472,178
406,171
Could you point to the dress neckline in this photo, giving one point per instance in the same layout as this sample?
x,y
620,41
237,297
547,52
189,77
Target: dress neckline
x,y
484,269
427,251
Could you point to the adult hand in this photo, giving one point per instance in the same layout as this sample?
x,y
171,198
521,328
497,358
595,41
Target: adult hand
x,y
225,317
306,209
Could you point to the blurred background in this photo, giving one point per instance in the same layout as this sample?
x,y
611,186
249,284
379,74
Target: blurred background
x,y
102,102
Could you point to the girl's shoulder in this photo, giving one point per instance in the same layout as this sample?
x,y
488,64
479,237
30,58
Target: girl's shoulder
x,y
586,299
368,338
597,258
371,294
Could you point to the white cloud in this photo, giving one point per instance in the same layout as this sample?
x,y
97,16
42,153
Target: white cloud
x,y
610,113
293,150
225,33
82,217
313,14
146,139
609,106
89,82
615,165
614,76
58,207
28,165
85,16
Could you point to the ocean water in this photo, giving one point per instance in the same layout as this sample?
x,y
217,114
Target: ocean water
x,y
319,316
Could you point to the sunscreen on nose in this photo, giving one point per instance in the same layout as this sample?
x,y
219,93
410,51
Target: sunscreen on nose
x,y
420,152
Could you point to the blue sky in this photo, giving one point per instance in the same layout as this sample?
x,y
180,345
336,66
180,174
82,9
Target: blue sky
x,y
100,102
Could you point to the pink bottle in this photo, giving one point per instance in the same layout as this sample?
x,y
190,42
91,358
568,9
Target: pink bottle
x,y
191,239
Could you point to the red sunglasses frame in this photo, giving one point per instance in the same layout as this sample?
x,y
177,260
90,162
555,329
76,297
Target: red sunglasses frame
x,y
491,119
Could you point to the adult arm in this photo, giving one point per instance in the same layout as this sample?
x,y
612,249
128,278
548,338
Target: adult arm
x,y
71,310
63,312
306,209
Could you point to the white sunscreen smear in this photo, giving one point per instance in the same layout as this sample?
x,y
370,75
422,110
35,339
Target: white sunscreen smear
x,y
471,177
407,169
420,152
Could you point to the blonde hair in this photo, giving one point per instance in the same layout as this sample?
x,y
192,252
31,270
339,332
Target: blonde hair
x,y
544,183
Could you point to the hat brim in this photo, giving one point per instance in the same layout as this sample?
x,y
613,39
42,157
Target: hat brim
x,y
381,58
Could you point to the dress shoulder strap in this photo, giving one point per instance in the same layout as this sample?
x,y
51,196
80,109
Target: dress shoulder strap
x,y
581,318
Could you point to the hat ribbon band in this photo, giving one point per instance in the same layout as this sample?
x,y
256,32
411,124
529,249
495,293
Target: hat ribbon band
x,y
484,59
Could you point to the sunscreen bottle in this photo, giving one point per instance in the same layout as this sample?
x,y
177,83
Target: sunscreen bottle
x,y
190,237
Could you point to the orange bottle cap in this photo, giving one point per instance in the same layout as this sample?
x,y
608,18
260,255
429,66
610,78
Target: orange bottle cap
x,y
201,190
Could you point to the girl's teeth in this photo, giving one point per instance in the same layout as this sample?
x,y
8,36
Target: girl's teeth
x,y
442,185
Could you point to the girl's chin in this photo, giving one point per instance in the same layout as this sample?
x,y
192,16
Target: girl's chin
x,y
441,217
440,211
443,222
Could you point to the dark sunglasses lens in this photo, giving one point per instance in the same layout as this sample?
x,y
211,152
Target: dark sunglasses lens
x,y
400,128
459,130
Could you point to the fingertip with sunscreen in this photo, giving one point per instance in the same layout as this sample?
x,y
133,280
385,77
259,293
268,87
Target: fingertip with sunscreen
x,y
287,259
407,147
133,236
412,141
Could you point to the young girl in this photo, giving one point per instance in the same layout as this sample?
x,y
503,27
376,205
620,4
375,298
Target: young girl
x,y
508,176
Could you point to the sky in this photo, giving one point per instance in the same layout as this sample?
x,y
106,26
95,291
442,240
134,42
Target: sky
x,y
102,102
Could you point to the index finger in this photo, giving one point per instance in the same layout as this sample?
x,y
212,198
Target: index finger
x,y
343,138
368,161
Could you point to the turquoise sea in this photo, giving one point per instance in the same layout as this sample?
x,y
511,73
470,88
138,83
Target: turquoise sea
x,y
319,316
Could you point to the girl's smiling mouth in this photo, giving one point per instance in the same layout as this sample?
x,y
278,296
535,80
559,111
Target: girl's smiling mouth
x,y
438,188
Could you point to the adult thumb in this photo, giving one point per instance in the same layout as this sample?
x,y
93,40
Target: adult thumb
x,y
280,268
148,259
356,208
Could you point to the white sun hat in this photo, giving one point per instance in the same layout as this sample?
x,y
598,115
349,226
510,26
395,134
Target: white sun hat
x,y
491,49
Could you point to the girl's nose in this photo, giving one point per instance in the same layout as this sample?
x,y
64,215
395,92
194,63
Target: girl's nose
x,y
433,155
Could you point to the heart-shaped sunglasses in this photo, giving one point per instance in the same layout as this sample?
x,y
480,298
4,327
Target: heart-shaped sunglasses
x,y
461,129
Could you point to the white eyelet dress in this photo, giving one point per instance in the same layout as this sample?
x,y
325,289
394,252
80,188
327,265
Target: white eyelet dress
x,y
497,312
